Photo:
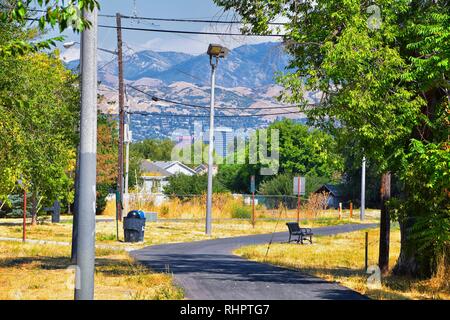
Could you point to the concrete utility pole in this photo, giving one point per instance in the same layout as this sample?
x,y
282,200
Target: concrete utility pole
x,y
363,189
86,201
127,151
128,139
119,202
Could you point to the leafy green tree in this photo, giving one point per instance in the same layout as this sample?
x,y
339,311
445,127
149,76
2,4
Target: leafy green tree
x,y
152,149
384,85
16,41
48,13
107,155
306,151
46,123
302,151
182,185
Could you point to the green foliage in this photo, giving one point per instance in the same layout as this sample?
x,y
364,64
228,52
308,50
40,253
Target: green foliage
x,y
281,184
103,189
107,155
302,151
107,151
428,179
241,212
183,185
236,177
56,13
39,130
152,149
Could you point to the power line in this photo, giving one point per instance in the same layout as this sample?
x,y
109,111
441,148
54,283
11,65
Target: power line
x,y
187,20
207,116
134,17
191,32
173,31
155,98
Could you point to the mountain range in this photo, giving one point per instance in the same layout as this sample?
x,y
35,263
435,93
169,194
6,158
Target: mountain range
x,y
245,79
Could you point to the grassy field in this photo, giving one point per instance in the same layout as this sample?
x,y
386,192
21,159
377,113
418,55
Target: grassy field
x,y
340,258
39,272
167,231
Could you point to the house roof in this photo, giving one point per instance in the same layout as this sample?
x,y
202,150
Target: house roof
x,y
147,166
164,164
335,190
161,167
201,167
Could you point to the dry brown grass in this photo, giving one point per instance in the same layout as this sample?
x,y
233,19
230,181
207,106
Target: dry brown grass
x,y
39,272
225,204
165,231
341,258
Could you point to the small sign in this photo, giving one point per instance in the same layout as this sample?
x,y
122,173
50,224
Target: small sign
x,y
252,184
302,182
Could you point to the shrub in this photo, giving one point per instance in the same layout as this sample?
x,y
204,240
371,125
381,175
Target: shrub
x,y
164,210
103,189
182,185
241,212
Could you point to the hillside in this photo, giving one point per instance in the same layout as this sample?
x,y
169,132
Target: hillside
x,y
245,79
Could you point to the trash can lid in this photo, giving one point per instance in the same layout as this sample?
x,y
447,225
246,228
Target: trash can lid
x,y
141,214
135,214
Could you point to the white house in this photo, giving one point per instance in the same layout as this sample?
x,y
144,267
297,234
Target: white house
x,y
155,174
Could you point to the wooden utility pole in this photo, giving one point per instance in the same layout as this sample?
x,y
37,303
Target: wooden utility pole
x,y
385,223
121,119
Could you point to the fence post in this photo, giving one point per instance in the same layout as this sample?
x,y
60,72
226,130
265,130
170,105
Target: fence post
x,y
340,210
351,209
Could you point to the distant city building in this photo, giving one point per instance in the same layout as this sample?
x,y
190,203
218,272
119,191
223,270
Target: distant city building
x,y
223,141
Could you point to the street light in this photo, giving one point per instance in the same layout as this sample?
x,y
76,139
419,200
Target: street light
x,y
215,51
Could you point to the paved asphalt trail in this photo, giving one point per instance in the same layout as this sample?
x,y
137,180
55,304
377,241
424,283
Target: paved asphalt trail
x,y
208,270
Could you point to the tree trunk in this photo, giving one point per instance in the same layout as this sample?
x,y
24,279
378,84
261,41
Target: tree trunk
x,y
34,204
407,262
385,223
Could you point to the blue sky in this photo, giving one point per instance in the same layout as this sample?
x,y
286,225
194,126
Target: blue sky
x,y
194,44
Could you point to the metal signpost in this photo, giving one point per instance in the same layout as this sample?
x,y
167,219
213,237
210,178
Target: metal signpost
x,y
299,190
253,189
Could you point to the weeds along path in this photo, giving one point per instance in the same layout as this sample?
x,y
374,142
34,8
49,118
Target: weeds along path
x,y
209,270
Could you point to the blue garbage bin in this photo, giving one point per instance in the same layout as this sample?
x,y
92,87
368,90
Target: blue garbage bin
x,y
134,226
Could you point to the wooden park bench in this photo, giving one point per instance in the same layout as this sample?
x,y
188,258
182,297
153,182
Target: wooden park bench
x,y
300,233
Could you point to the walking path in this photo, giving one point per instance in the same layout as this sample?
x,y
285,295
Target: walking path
x,y
208,269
